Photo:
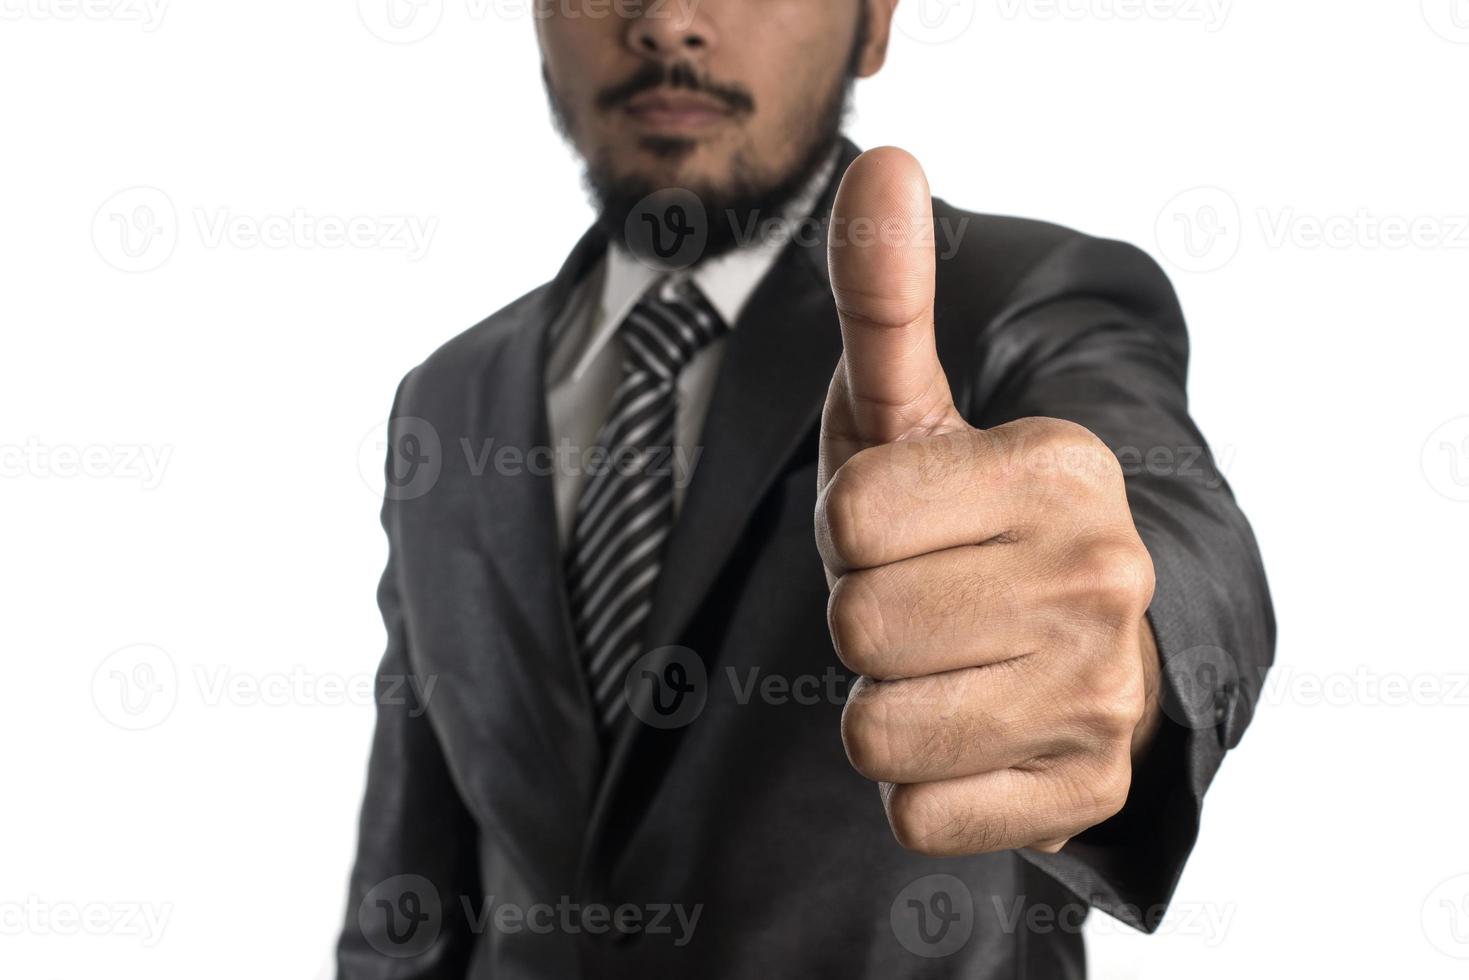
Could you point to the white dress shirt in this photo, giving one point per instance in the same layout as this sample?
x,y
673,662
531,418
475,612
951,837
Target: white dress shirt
x,y
585,364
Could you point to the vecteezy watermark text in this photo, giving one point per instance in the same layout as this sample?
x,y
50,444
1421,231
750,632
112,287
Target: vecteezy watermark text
x,y
402,916
147,14
137,688
139,229
416,452
568,458
672,228
1203,229
98,461
35,916
571,918
1211,14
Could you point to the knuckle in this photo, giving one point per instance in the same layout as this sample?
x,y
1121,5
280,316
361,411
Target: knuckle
x,y
965,833
1054,437
1099,792
1094,461
1062,434
848,515
926,820
937,461
890,738
908,818
1045,431
1116,574
1112,792
858,625
866,734
1030,446
939,745
1062,460
921,819
1114,703
1076,456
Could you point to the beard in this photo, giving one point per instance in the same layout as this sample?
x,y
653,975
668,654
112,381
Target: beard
x,y
724,214
730,208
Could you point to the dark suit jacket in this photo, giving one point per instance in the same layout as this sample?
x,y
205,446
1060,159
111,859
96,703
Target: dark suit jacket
x,y
489,811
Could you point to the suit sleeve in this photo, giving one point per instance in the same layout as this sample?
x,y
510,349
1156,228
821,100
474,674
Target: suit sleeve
x,y
416,856
1094,334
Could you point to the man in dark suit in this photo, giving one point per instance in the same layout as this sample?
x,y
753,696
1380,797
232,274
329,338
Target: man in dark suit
x,y
649,708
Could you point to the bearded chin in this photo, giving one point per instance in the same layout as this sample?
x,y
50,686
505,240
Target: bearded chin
x,y
732,207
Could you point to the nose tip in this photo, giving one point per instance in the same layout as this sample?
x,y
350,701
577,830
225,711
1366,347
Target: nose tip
x,y
650,44
669,31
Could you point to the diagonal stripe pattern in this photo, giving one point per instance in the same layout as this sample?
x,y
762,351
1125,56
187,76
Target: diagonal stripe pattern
x,y
626,509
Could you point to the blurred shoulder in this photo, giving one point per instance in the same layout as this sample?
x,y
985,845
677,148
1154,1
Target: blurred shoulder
x,y
993,267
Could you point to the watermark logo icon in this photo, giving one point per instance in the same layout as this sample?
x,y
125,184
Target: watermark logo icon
x,y
1449,19
415,458
1446,917
933,916
402,916
1200,230
1203,678
934,21
136,687
1445,459
667,687
401,21
668,230
136,230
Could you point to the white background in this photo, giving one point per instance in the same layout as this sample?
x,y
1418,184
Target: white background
x,y
184,443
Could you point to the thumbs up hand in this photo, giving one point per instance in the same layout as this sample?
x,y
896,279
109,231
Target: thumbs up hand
x,y
988,585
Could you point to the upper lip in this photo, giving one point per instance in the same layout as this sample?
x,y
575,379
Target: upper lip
x,y
667,100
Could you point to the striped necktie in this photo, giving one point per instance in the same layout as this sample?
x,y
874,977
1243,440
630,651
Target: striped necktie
x,y
626,508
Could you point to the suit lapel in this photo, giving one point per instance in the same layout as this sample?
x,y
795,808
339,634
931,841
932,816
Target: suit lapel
x,y
768,396
518,537
771,386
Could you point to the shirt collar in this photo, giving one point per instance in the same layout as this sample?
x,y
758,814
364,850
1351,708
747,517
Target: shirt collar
x,y
727,281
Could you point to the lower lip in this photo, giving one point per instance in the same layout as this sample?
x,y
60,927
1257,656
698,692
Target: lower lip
x,y
689,120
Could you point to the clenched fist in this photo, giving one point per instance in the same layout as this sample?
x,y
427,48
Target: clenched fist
x,y
988,585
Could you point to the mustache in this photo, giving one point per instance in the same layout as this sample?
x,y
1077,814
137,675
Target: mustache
x,y
680,75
